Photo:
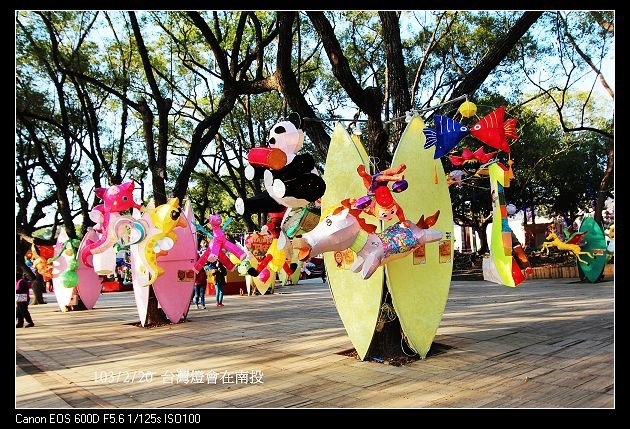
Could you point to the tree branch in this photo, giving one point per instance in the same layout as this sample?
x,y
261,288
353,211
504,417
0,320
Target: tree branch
x,y
339,62
495,55
585,57
219,54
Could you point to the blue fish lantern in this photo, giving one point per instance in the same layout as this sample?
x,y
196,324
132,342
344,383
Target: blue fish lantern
x,y
446,135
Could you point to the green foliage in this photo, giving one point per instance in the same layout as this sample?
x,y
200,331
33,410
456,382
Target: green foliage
x,y
554,172
208,197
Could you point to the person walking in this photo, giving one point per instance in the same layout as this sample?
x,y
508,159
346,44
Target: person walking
x,y
38,287
22,298
201,280
219,272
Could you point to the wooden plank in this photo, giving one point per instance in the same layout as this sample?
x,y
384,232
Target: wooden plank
x,y
539,345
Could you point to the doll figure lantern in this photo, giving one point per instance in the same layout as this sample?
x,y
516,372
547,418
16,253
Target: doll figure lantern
x,y
379,201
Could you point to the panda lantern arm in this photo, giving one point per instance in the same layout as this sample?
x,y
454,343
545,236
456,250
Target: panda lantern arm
x,y
303,163
253,172
261,203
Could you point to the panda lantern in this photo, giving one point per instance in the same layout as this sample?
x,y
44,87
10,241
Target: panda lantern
x,y
290,179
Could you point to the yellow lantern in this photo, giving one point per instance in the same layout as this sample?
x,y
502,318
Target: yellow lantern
x,y
467,109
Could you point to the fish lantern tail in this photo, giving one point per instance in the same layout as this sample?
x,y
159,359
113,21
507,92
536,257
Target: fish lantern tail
x,y
510,129
456,160
431,137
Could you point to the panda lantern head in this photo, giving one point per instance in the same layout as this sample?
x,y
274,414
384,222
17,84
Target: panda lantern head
x,y
287,136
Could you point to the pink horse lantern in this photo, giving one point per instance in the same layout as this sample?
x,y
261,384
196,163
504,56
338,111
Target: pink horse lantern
x,y
342,230
116,198
217,246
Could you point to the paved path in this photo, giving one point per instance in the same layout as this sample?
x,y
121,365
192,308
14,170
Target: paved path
x,y
547,343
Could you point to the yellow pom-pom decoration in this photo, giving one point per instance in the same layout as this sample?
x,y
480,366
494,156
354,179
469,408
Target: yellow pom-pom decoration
x,y
467,109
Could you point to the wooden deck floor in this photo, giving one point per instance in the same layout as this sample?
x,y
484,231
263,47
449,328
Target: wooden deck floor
x,y
547,343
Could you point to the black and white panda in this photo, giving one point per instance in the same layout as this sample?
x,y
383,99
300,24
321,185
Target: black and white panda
x,y
294,185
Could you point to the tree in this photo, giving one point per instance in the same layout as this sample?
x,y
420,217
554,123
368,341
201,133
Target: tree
x,y
52,133
370,100
582,41
26,194
208,197
557,173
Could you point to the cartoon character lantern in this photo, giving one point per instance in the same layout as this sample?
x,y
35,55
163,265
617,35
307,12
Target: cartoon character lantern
x,y
116,198
165,218
218,246
379,201
290,180
276,256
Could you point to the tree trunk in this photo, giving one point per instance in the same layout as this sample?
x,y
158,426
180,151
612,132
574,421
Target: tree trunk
x,y
398,88
483,237
157,164
386,343
159,172
370,99
377,136
157,179
155,315
604,184
38,286
203,134
123,129
64,208
141,191
493,58
533,214
289,87
79,307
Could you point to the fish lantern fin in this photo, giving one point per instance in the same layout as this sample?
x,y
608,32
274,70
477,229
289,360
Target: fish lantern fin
x,y
431,136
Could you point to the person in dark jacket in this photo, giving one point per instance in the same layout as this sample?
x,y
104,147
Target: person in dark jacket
x,y
22,297
219,272
38,287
